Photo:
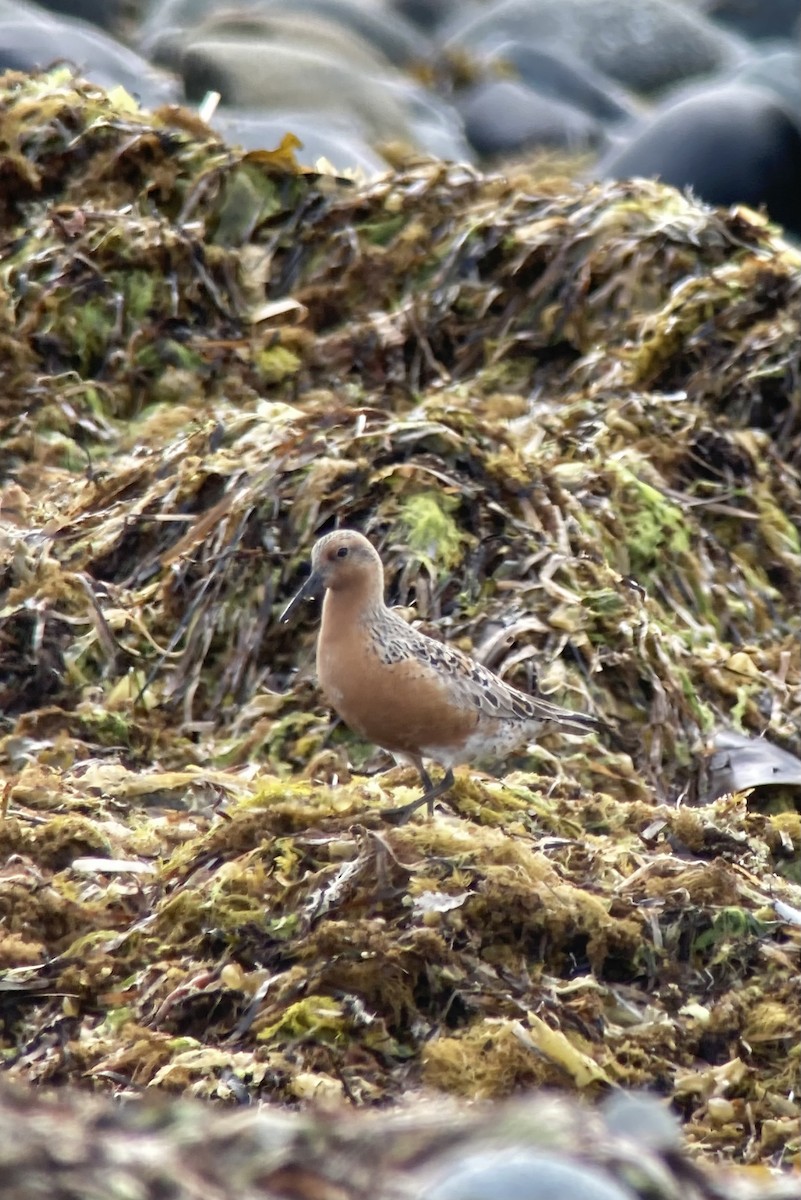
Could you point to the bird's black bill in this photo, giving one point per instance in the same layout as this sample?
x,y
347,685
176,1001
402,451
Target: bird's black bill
x,y
309,591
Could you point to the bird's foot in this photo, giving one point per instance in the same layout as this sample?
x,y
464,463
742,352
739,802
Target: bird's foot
x,y
399,816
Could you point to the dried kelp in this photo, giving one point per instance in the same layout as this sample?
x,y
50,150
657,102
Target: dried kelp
x,y
568,420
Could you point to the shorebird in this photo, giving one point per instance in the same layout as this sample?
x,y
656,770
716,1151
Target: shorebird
x,y
410,694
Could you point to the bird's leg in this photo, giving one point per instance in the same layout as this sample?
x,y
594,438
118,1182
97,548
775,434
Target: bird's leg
x,y
399,816
428,789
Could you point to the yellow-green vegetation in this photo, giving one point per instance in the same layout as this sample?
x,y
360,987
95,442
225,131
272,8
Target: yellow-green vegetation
x,y
576,446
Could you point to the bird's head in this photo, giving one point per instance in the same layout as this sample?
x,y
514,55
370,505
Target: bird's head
x,y
342,561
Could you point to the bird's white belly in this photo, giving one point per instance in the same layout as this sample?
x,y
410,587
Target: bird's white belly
x,y
495,739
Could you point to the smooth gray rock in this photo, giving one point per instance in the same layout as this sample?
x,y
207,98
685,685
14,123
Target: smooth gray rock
x,y
563,76
436,127
502,116
427,14
376,22
779,70
642,1117
646,45
387,31
755,19
17,10
734,144
524,1175
307,31
28,45
276,62
251,74
111,15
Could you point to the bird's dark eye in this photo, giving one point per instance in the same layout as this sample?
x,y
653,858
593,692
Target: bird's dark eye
x,y
342,552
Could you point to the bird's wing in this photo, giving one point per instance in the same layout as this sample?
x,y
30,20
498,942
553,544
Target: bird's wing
x,y
479,686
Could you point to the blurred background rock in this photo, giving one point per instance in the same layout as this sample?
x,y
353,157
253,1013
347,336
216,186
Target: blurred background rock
x,y
704,94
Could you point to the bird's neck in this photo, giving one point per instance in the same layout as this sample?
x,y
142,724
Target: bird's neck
x,y
346,609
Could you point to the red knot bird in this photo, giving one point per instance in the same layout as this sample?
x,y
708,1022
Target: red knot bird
x,y
414,696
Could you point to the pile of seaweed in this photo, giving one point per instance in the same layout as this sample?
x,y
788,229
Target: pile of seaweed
x,y
570,420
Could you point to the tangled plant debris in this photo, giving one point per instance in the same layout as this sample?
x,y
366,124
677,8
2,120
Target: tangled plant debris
x,y
569,419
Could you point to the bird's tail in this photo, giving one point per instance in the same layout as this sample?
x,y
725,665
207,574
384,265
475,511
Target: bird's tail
x,y
566,718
